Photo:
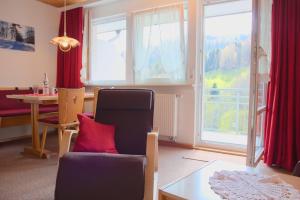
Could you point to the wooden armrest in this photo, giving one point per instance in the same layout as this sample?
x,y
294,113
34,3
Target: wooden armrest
x,y
151,167
152,140
66,141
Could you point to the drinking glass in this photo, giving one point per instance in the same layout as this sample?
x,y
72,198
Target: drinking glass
x,y
52,90
35,89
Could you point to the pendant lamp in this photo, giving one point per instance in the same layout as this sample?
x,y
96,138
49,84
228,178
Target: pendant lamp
x,y
65,43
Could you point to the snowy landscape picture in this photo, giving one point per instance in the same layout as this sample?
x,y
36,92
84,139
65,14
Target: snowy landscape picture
x,y
16,37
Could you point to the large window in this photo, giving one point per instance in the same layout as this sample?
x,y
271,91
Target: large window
x,y
140,47
159,45
108,50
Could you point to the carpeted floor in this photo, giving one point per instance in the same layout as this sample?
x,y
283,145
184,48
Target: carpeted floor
x,y
26,177
30,178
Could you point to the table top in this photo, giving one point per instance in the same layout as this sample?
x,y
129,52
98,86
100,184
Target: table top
x,y
30,98
196,185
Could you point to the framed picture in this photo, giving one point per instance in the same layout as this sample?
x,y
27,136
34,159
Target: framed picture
x,y
16,37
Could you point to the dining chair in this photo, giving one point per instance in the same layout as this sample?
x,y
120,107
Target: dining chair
x,y
70,103
92,114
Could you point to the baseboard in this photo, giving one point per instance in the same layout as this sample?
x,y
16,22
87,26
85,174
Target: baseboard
x,y
190,146
235,153
14,139
175,144
21,138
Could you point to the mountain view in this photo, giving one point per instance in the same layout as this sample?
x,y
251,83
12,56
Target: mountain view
x,y
227,56
226,83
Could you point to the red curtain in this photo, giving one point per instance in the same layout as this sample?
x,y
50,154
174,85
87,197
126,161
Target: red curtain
x,y
69,64
282,133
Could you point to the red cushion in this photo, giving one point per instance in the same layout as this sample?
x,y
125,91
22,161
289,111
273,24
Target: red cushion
x,y
13,107
50,120
26,111
15,112
94,136
6,103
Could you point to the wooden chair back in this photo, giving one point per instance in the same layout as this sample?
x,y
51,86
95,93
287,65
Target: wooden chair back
x,y
96,91
70,103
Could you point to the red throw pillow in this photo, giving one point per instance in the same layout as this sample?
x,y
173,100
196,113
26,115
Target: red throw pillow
x,y
94,136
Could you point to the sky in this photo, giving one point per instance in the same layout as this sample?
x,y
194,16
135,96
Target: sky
x,y
229,25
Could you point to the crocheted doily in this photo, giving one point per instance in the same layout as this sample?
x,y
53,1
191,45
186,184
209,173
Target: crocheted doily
x,y
250,186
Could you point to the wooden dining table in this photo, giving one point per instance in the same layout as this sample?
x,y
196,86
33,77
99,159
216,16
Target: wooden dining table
x,y
35,100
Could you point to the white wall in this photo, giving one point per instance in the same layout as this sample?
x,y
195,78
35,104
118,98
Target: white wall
x,y
25,68
21,68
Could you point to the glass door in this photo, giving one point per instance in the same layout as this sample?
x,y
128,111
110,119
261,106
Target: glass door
x,y
261,52
227,29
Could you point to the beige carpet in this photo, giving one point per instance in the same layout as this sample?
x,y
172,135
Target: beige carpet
x,y
26,177
29,178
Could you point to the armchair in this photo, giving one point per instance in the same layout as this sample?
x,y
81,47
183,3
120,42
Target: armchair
x,y
130,175
296,171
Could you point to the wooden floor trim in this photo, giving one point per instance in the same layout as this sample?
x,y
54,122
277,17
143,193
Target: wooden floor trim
x,y
234,153
14,139
175,144
17,139
190,146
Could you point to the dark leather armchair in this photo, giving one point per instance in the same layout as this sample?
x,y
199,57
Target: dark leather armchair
x,y
296,171
130,175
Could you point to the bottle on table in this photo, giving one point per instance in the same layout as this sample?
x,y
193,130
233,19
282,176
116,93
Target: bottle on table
x,y
45,85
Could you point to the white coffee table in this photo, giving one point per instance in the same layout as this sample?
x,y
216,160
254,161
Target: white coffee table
x,y
196,187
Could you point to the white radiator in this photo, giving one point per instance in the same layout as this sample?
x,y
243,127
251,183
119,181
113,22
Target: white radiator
x,y
166,115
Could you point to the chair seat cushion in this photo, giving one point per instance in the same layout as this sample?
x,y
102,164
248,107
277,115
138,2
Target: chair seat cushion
x,y
48,108
94,136
14,112
50,120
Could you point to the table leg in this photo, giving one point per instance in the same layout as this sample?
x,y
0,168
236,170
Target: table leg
x,y
35,126
36,144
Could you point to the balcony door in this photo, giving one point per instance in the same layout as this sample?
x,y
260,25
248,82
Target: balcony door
x,y
227,31
261,60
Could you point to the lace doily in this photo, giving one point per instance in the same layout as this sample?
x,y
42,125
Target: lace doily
x,y
234,185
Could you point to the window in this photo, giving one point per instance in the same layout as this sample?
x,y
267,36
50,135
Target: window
x,y
108,49
138,48
159,45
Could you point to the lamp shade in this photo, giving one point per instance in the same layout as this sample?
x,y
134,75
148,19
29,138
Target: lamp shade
x,y
65,43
